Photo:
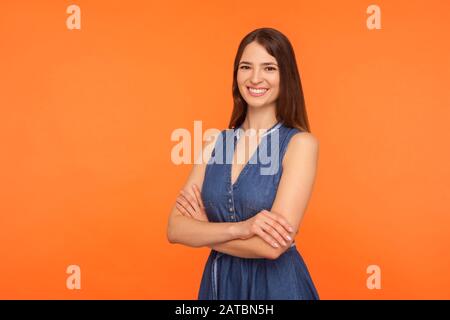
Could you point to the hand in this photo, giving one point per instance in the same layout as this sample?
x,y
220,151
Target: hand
x,y
269,226
190,206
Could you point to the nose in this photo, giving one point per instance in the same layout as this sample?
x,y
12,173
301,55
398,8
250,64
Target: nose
x,y
255,77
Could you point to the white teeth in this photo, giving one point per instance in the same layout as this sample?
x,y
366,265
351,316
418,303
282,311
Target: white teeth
x,y
257,90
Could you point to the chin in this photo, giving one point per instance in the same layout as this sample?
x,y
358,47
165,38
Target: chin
x,y
256,105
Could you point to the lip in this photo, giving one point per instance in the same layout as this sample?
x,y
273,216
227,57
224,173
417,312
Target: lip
x,y
257,87
254,94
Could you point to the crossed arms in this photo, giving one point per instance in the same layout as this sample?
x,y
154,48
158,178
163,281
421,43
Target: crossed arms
x,y
255,237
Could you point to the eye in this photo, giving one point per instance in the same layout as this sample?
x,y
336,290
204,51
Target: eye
x,y
243,67
271,68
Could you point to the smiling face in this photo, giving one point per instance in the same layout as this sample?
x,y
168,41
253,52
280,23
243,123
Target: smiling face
x,y
258,76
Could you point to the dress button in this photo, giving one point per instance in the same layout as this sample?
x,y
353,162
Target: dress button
x,y
231,209
229,200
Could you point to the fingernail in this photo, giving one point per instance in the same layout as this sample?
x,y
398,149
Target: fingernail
x,y
289,238
284,243
275,245
290,229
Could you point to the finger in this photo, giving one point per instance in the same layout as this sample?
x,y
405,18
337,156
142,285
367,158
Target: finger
x,y
192,202
277,226
274,233
182,201
182,208
198,196
280,219
183,211
262,229
266,237
282,231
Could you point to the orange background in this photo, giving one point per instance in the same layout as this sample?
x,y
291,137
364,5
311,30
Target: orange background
x,y
86,116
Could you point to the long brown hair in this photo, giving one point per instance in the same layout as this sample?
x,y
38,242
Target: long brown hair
x,y
290,105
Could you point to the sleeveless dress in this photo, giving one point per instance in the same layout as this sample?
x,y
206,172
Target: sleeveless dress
x,y
227,277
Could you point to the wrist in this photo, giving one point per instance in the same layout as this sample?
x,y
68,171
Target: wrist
x,y
240,230
236,230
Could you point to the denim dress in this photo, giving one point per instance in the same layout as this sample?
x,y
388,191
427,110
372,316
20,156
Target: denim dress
x,y
227,277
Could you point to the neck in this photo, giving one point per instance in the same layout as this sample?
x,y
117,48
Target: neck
x,y
260,118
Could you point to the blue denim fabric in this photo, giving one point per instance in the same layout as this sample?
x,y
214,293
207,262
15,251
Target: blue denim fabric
x,y
228,277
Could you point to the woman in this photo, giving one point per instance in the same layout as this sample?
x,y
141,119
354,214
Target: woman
x,y
249,216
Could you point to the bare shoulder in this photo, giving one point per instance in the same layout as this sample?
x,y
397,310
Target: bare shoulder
x,y
302,145
305,140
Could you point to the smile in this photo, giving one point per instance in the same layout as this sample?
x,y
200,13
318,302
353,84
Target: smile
x,y
257,92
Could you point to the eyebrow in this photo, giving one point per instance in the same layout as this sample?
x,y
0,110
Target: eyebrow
x,y
263,64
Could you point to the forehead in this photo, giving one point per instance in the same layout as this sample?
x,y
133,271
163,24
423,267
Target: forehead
x,y
254,52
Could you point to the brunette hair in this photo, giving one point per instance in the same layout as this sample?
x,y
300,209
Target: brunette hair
x,y
290,104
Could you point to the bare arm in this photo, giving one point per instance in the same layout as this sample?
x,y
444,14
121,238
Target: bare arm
x,y
294,191
267,226
252,248
299,167
195,233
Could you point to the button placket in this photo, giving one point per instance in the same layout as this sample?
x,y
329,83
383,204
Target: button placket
x,y
231,204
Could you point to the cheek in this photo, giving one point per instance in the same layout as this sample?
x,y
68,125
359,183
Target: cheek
x,y
240,78
275,89
274,80
275,86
